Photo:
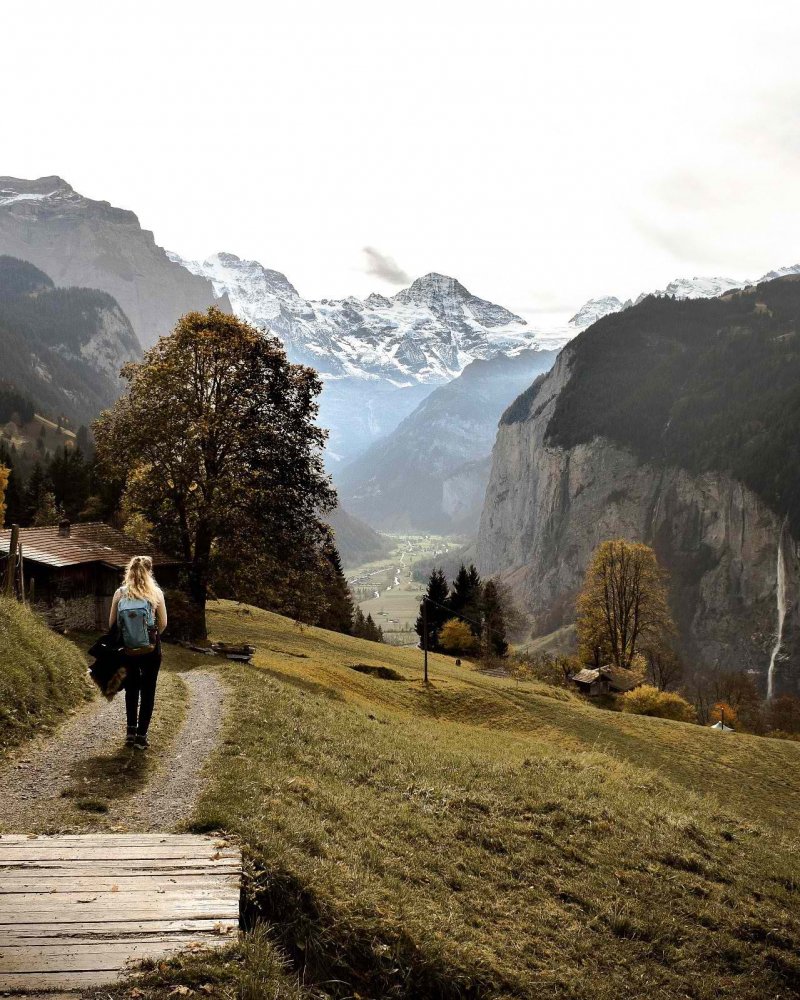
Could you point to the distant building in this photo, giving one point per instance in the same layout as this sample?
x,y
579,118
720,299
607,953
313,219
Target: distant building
x,y
71,571
605,680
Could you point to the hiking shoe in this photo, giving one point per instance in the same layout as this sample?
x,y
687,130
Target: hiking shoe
x,y
130,738
140,743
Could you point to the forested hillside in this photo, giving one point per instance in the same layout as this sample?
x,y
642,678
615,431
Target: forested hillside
x,y
710,384
61,346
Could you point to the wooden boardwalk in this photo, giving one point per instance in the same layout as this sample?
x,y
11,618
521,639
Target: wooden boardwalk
x,y
76,910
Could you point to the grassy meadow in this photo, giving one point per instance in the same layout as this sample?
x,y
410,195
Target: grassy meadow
x,y
42,676
488,839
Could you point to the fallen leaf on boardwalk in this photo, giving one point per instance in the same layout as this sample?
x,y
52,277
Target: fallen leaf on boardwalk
x,y
115,888
216,857
221,929
88,899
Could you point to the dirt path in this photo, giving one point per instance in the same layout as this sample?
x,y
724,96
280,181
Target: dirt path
x,y
82,778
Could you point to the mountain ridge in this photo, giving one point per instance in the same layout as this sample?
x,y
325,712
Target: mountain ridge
x,y
81,242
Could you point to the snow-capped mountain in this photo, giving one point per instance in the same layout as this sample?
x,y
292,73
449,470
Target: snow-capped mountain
x,y
681,288
594,309
426,333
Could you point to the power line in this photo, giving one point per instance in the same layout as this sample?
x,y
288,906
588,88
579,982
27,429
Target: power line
x,y
457,614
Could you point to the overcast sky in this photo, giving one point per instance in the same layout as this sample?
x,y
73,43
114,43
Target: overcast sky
x,y
542,152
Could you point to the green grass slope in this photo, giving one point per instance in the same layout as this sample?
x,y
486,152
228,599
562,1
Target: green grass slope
x,y
487,839
42,675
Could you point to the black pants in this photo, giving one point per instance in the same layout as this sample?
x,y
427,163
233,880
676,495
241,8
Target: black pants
x,y
140,689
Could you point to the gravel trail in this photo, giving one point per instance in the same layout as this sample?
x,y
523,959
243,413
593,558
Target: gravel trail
x,y
79,779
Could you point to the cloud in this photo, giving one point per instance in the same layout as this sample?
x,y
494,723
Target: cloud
x,y
385,267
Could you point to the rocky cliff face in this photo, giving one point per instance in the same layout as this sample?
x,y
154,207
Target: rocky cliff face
x,y
548,507
91,244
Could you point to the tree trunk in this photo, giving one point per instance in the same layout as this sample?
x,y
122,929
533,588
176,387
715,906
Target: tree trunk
x,y
198,581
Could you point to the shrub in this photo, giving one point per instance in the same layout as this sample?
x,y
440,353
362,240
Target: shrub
x,y
456,637
648,700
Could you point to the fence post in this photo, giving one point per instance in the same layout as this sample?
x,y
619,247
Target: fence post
x,y
21,592
11,568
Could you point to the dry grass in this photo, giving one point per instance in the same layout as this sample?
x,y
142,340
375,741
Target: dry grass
x,y
487,839
42,676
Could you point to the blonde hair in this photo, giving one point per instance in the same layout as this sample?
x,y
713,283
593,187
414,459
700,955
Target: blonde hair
x,y
139,581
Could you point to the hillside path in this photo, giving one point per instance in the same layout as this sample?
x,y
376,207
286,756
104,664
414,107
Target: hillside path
x,y
82,778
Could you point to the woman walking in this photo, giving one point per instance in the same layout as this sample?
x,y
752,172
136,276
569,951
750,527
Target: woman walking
x,y
139,611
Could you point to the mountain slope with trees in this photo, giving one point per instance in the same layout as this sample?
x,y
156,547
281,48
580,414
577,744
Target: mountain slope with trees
x,y
676,424
63,347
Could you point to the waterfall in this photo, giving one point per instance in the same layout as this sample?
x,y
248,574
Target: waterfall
x,y
781,589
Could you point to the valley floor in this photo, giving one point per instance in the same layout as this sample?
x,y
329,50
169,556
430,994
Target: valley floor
x,y
387,590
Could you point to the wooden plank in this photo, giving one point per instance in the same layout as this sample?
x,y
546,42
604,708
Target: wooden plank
x,y
75,911
92,930
13,884
53,852
189,839
28,901
26,982
131,865
94,957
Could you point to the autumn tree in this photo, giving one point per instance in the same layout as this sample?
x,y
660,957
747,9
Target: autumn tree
x,y
4,476
648,700
622,608
215,440
457,637
722,711
664,667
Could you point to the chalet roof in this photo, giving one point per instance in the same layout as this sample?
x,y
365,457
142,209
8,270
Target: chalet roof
x,y
586,676
618,678
85,543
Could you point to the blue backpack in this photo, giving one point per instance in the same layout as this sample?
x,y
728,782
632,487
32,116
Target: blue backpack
x,y
136,620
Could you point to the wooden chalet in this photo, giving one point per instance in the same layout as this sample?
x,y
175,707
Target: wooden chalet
x,y
595,682
71,571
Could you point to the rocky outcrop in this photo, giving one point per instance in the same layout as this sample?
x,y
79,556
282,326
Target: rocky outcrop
x,y
91,244
547,508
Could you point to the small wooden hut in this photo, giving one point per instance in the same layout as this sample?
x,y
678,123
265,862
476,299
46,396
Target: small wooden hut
x,y
598,681
72,571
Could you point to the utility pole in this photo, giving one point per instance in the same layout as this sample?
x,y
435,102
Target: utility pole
x,y
425,634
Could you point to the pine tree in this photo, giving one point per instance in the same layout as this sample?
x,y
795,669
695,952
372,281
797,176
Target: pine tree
x,y
359,623
373,632
338,616
48,512
34,494
70,477
437,608
465,598
494,620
